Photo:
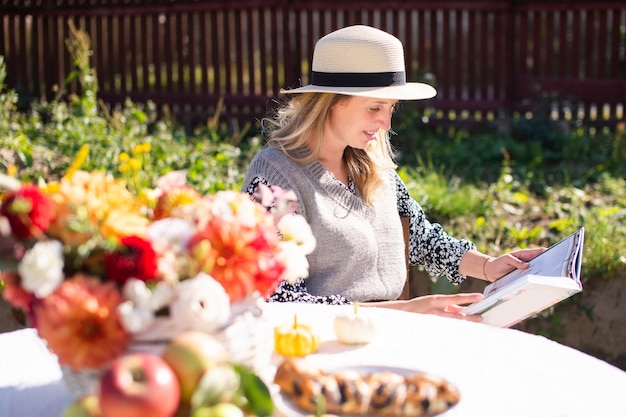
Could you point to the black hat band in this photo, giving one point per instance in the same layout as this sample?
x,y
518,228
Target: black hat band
x,y
358,79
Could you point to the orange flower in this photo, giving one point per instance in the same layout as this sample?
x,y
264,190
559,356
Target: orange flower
x,y
239,255
80,323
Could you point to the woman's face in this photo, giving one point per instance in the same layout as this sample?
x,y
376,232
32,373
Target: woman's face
x,y
354,121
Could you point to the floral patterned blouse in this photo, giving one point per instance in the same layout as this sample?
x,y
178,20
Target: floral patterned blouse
x,y
429,245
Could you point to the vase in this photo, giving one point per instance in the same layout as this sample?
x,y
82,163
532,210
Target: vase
x,y
247,338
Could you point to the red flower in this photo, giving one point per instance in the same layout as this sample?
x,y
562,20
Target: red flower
x,y
28,211
135,258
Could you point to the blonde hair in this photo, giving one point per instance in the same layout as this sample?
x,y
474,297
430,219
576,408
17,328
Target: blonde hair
x,y
305,115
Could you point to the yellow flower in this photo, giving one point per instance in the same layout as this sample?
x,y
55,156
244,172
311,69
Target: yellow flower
x,y
124,168
134,164
170,200
85,202
119,224
12,171
141,148
78,162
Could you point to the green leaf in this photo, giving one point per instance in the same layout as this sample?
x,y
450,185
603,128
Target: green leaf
x,y
255,391
218,384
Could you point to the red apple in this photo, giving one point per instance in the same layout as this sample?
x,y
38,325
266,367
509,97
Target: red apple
x,y
190,354
139,384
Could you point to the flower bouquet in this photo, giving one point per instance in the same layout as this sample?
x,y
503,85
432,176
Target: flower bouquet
x,y
99,270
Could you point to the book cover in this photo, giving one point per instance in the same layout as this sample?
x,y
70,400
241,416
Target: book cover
x,y
552,276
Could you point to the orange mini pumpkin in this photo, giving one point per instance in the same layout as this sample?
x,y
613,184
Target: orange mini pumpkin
x,y
295,340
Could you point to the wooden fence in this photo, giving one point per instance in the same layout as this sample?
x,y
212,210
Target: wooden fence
x,y
486,58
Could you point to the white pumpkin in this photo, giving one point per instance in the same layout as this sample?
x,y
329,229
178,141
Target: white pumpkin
x,y
354,327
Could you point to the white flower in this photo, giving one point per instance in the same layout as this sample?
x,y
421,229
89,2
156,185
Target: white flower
x,y
295,261
294,228
172,231
139,295
201,303
161,296
135,318
136,291
41,268
169,239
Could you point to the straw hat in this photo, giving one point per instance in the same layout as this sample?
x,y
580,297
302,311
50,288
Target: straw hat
x,y
362,61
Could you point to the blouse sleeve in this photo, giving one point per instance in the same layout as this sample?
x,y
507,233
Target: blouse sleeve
x,y
297,292
429,245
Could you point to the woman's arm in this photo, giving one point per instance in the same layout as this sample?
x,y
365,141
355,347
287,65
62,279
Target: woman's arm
x,y
444,305
441,254
429,245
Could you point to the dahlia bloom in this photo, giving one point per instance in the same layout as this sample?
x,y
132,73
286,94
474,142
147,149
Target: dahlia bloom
x,y
28,211
80,323
135,258
238,246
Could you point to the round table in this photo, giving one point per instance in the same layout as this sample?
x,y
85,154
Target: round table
x,y
499,372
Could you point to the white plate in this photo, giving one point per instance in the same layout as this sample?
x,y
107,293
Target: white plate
x,y
285,408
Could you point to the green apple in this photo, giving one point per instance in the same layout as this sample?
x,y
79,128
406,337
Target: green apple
x,y
218,410
190,354
219,384
84,406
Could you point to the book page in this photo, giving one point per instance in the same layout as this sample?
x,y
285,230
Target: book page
x,y
577,256
562,259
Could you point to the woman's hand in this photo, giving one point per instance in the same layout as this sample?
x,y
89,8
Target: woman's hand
x,y
496,268
444,305
490,269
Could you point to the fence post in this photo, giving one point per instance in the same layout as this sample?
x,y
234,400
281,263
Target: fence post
x,y
509,62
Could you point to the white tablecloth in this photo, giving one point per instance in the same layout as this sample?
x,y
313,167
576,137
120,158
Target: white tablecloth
x,y
500,372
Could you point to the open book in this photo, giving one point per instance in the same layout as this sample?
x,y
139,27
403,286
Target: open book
x,y
552,276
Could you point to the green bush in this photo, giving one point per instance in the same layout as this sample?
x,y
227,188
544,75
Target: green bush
x,y
131,142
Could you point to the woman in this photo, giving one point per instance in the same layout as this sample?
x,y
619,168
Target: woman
x,y
330,145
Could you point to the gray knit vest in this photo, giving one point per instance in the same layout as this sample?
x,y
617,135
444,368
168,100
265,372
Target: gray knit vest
x,y
360,247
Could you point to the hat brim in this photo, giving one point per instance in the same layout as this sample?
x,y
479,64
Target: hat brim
x,y
408,91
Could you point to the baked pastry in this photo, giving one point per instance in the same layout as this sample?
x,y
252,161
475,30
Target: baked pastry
x,y
382,393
